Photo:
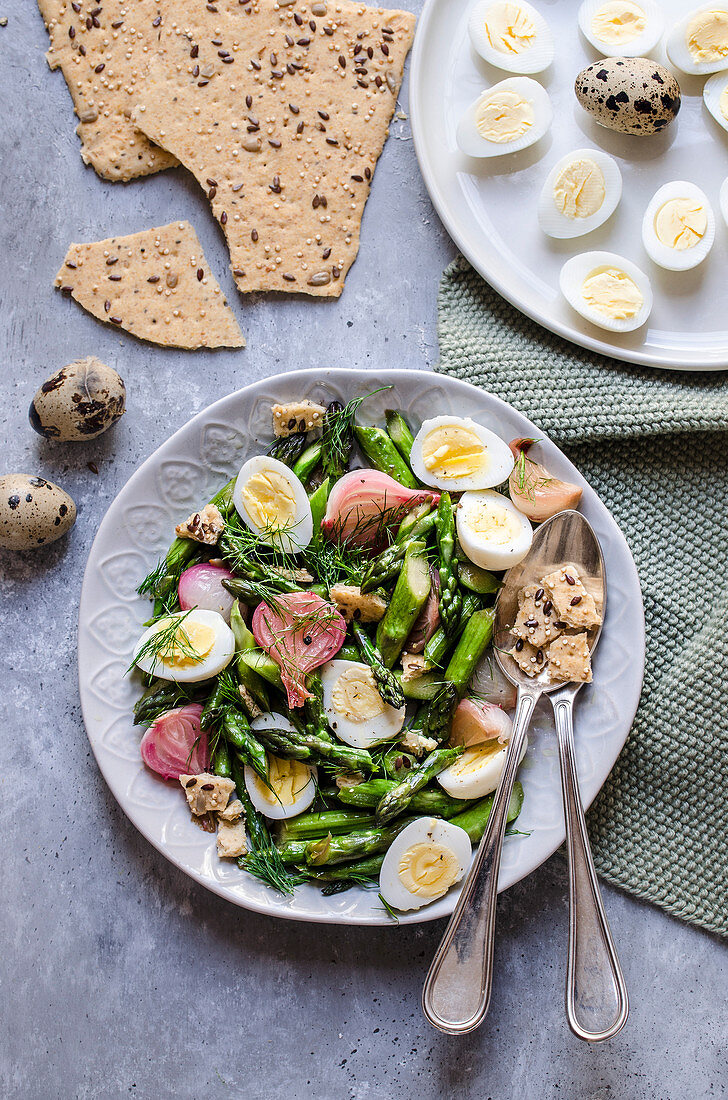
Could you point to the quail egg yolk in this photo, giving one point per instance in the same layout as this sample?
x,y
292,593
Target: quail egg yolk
x,y
453,450
724,102
612,293
580,191
499,524
269,500
707,36
509,29
355,695
286,780
428,870
503,116
618,22
188,645
472,759
680,223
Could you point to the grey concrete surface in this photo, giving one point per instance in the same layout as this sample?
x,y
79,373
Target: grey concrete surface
x,y
119,975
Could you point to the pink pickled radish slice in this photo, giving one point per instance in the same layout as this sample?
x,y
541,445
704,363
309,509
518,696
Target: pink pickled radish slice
x,y
201,586
364,503
474,723
175,744
300,633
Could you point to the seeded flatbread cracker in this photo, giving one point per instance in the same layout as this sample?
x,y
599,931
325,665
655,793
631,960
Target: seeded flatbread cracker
x,y
101,49
280,111
155,284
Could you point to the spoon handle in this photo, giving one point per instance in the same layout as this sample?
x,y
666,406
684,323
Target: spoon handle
x,y
457,989
597,1005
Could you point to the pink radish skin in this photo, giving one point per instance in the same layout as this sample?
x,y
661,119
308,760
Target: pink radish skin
x,y
175,744
364,503
428,619
538,494
201,586
474,723
302,633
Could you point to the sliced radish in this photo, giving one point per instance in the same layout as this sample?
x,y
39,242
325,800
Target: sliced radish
x,y
300,633
175,744
364,503
474,723
201,586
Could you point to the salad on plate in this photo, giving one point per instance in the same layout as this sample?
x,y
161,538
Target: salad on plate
x,y
316,670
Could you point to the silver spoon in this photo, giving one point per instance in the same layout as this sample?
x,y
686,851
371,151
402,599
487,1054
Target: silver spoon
x,y
457,990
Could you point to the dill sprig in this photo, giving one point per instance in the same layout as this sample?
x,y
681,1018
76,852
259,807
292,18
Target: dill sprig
x,y
528,480
337,436
267,865
168,641
388,909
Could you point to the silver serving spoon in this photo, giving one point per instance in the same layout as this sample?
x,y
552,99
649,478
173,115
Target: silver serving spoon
x,y
457,991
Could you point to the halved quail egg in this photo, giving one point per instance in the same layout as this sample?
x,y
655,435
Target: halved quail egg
x,y
581,191
621,28
724,200
506,118
715,97
678,228
608,290
698,43
511,36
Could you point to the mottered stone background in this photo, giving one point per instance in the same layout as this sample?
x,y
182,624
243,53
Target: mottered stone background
x,y
120,975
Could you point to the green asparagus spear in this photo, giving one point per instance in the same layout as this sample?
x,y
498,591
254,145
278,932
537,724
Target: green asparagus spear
x,y
304,746
264,665
387,684
387,565
396,763
439,644
417,524
313,708
451,600
408,598
216,701
355,845
354,873
305,465
248,747
263,860
438,716
422,687
221,764
397,800
399,433
163,695
383,455
288,448
476,635
432,801
477,579
318,500
475,818
316,824
253,685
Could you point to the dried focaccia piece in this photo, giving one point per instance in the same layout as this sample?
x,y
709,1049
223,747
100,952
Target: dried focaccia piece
x,y
296,416
574,605
204,526
570,659
536,618
358,606
530,658
155,284
206,792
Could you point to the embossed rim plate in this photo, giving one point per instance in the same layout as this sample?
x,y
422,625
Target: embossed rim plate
x,y
489,206
186,470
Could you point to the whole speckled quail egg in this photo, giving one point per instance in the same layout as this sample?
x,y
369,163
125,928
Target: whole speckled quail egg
x,y
632,95
80,401
33,512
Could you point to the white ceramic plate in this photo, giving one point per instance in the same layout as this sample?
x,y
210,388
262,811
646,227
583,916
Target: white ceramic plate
x,y
186,471
489,206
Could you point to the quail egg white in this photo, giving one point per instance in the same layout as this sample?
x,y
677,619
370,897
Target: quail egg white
x,y
272,501
491,530
621,28
678,228
506,118
608,290
291,787
33,512
354,708
423,862
455,453
186,647
698,43
581,191
715,97
724,200
511,36
477,772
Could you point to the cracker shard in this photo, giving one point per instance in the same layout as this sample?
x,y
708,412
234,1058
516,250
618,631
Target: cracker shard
x,y
281,115
155,284
101,56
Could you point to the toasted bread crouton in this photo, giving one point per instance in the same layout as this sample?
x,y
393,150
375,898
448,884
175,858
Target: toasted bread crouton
x,y
353,605
296,416
203,526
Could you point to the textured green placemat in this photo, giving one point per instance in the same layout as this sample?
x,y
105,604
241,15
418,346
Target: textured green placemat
x,y
654,444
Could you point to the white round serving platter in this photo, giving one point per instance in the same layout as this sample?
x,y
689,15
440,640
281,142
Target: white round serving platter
x,y
488,206
186,471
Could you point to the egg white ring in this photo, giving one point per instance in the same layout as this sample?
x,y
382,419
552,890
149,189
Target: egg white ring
x,y
677,48
482,782
558,225
575,272
477,547
421,831
219,657
724,200
712,92
500,464
673,259
473,144
639,46
270,720
289,539
276,811
359,735
533,60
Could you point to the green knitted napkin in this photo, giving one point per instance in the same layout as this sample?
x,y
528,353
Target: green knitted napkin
x,y
654,445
